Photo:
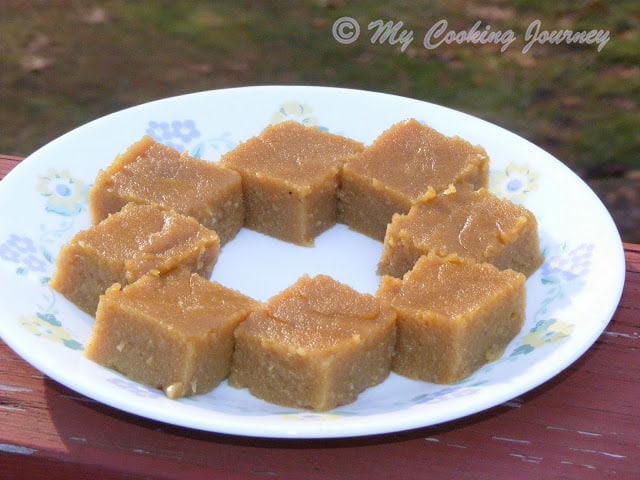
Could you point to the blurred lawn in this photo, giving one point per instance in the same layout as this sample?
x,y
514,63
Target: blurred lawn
x,y
64,63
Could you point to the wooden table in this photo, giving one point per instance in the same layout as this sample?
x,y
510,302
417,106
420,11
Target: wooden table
x,y
584,423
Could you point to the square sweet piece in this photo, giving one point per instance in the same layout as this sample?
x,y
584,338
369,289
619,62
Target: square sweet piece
x,y
172,331
316,345
152,173
470,223
454,316
290,177
398,168
126,245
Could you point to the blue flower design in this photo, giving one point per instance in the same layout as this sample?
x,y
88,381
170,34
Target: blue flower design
x,y
8,253
569,265
22,251
19,249
562,274
185,131
173,134
21,244
160,131
35,264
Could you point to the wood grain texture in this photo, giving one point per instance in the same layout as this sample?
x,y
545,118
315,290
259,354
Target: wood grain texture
x,y
584,423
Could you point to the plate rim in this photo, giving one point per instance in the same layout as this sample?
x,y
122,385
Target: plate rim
x,y
330,432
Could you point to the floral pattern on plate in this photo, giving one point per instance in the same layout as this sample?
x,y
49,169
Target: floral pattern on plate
x,y
514,182
176,133
65,198
48,327
561,276
58,205
297,112
185,137
22,251
65,194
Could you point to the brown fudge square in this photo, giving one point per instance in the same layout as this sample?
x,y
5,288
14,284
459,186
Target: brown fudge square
x,y
128,244
315,345
454,316
290,177
149,172
172,331
470,223
398,168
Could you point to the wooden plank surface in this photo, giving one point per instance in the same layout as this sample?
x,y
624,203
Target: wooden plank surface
x,y
582,424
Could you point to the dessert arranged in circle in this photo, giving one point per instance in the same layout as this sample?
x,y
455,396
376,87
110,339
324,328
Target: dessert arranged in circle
x,y
451,295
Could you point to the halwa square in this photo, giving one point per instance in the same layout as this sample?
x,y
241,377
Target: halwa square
x,y
470,223
126,245
398,168
172,331
316,345
149,172
290,178
454,316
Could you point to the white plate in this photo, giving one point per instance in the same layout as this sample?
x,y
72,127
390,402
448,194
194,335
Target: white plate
x,y
43,202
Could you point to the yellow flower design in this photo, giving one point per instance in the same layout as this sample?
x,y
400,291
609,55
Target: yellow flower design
x,y
66,195
514,182
547,332
46,326
295,111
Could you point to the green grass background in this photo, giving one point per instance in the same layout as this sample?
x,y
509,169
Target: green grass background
x,y
64,63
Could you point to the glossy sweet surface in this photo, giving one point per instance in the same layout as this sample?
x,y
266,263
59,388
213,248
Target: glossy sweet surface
x,y
454,316
290,177
152,173
125,246
171,331
399,167
316,345
471,223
